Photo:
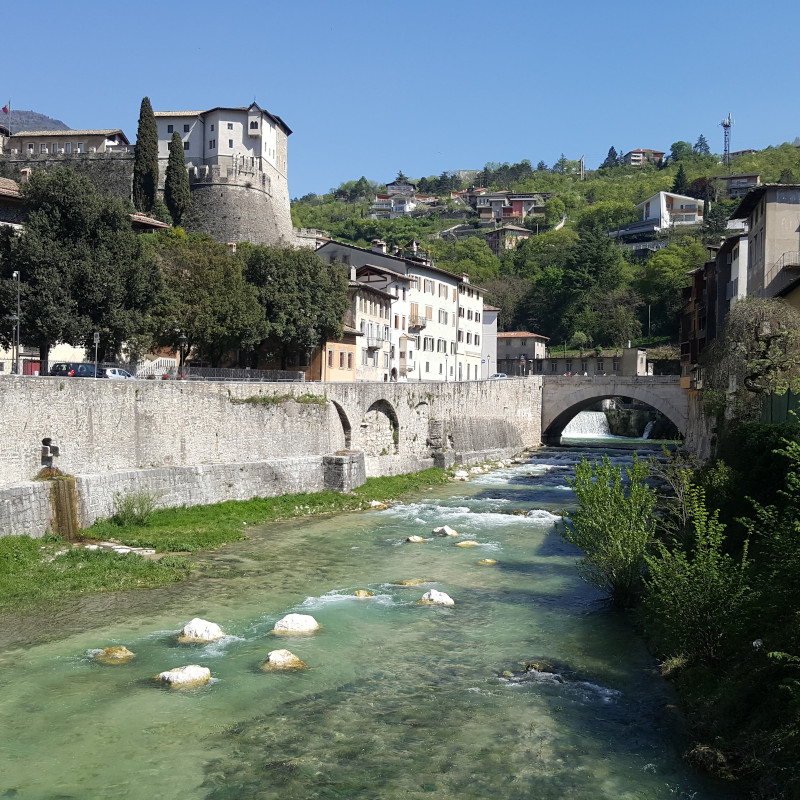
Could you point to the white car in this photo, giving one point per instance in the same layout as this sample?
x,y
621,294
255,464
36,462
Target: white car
x,y
498,376
118,374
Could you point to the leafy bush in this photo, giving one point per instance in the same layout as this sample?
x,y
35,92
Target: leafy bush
x,y
135,508
613,526
696,593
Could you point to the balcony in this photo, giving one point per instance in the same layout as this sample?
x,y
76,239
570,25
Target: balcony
x,y
417,322
374,343
783,274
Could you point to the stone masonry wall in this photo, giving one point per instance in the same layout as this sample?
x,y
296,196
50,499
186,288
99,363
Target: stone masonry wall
x,y
189,443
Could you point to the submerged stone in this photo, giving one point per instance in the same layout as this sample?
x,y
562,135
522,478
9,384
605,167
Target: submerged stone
x,y
113,655
185,677
487,562
200,630
363,593
435,598
468,543
414,581
282,660
296,623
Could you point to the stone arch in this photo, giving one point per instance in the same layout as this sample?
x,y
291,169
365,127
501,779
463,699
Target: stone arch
x,y
561,402
346,427
380,429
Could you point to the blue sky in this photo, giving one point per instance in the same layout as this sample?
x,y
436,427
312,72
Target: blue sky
x,y
370,88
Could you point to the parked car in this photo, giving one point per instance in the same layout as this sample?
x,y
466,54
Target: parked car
x,y
498,376
117,374
71,369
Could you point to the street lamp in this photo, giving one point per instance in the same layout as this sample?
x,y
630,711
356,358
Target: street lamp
x,y
182,344
15,274
14,320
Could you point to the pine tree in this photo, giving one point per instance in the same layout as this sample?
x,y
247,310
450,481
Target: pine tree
x,y
541,167
176,182
701,146
145,164
612,159
681,181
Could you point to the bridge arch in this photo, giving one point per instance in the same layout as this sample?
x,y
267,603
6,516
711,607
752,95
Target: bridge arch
x,y
563,398
380,429
347,428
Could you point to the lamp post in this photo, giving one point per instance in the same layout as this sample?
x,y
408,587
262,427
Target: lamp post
x,y
182,344
14,320
15,275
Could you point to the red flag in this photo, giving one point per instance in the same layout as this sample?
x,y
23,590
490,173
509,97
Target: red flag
x,y
7,107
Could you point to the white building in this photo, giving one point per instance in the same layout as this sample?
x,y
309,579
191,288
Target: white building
x,y
667,209
240,139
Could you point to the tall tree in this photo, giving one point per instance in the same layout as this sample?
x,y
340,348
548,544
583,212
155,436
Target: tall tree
x,y
145,163
176,181
701,146
82,267
612,159
303,299
541,167
681,183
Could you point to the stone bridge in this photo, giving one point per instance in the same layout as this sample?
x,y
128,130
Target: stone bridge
x,y
563,397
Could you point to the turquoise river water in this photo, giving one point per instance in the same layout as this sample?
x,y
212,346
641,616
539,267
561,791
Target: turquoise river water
x,y
399,701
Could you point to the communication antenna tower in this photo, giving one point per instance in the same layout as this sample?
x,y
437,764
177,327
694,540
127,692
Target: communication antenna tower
x,y
727,124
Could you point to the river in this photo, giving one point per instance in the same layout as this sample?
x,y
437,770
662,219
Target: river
x,y
399,701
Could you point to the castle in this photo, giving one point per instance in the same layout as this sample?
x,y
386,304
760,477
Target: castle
x,y
236,157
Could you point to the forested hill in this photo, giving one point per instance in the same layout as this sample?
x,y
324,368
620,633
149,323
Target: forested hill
x,y
574,284
19,120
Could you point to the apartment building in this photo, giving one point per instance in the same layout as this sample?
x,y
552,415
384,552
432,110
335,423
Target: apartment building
x,y
441,340
640,156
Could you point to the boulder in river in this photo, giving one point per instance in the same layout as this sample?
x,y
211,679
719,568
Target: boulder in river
x,y
200,631
414,581
363,593
185,677
445,530
435,598
487,562
468,543
282,660
415,539
113,655
296,624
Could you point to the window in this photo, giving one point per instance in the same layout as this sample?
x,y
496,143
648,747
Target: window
x,y
461,336
341,359
452,348
42,148
427,366
461,313
584,366
553,366
477,316
404,323
468,366
443,317
186,129
212,128
230,126
615,365
385,333
428,312
363,357
349,361
404,294
522,343
230,143
212,143
469,314
508,342
469,338
54,150
80,147
600,365
477,339
396,321
170,128
31,147
254,125
330,358
569,366
186,145
68,147
385,360
440,369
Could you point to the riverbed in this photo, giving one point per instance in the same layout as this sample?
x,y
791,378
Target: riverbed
x,y
400,700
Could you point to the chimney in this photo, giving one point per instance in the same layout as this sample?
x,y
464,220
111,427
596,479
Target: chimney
x,y
465,277
352,272
25,174
378,246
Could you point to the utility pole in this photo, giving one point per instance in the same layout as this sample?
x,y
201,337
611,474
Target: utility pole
x,y
727,124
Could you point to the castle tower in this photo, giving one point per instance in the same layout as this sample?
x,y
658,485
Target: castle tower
x,y
237,161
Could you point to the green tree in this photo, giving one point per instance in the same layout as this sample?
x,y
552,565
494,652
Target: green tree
x,y
554,210
613,526
82,267
541,167
681,182
611,160
176,182
696,594
145,160
303,300
679,151
208,299
701,146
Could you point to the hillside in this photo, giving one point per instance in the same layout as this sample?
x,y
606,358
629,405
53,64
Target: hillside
x,y
574,285
19,120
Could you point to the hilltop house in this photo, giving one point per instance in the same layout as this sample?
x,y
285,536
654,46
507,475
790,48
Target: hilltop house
x,y
67,142
643,155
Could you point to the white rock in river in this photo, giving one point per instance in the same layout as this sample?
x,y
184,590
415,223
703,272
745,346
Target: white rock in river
x,y
468,543
435,598
415,539
296,623
476,470
185,677
282,659
200,630
461,473
445,530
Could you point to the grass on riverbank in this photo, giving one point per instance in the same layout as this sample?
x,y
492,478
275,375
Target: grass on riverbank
x,y
37,570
